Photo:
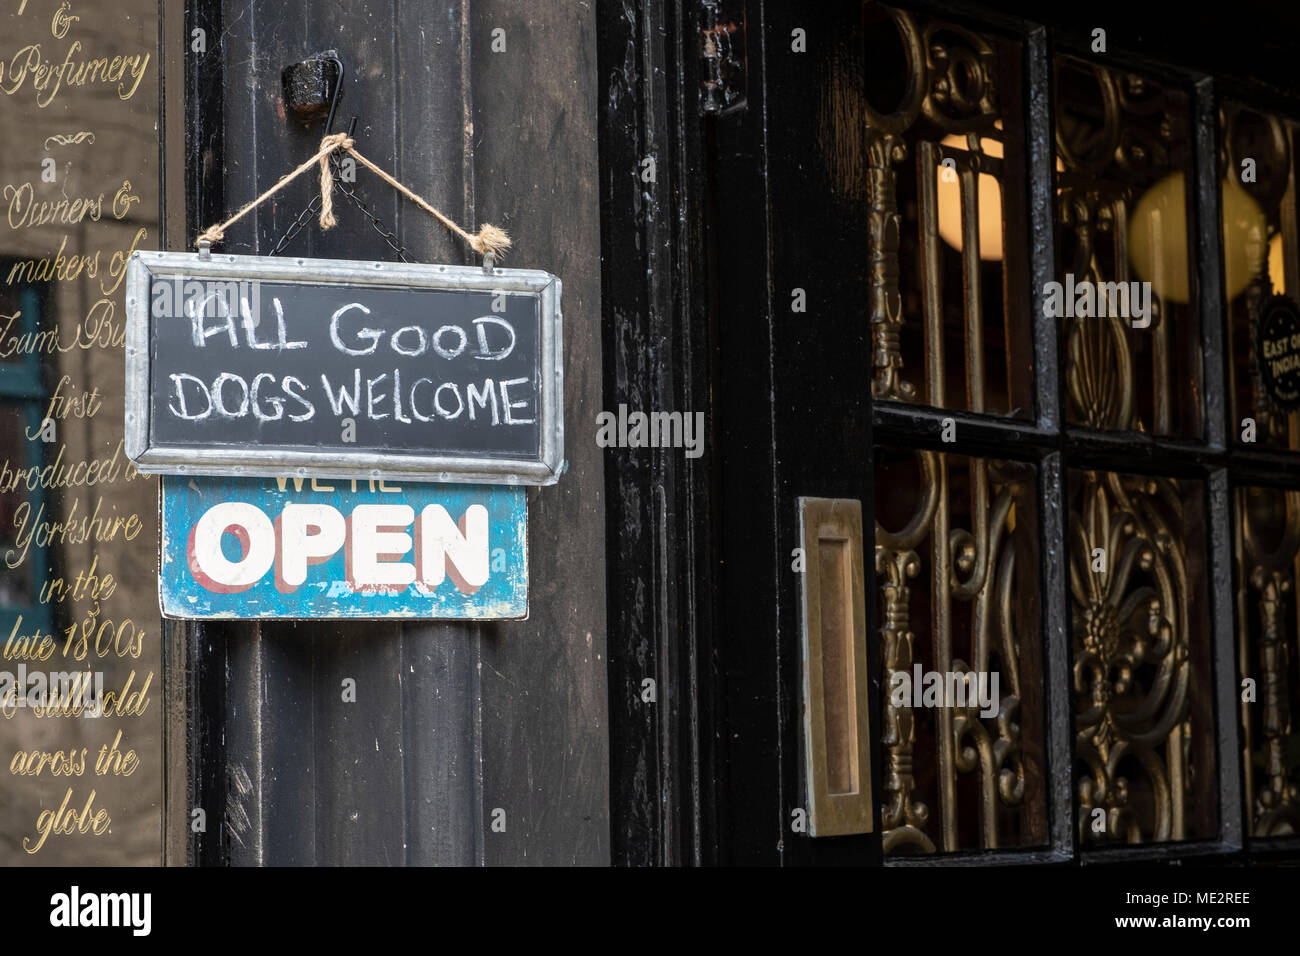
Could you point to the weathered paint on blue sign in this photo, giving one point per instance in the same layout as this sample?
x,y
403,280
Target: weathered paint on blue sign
x,y
338,548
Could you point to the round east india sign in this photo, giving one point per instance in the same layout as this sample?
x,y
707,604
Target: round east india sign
x,y
1277,351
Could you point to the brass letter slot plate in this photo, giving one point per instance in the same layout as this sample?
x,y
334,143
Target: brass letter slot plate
x,y
836,720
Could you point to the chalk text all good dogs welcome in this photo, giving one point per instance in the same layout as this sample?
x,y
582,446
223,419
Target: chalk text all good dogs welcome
x,y
301,365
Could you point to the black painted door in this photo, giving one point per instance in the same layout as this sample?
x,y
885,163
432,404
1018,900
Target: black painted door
x,y
466,743
790,238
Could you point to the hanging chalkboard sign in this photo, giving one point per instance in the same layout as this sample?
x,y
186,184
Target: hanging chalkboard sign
x,y
255,366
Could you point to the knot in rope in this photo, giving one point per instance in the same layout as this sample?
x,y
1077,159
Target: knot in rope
x,y
328,145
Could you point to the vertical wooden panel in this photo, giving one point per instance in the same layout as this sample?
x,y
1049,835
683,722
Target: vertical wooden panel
x,y
441,699
545,736
360,799
177,680
440,663
308,769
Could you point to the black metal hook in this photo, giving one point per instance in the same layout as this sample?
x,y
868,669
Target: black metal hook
x,y
334,102
306,92
336,93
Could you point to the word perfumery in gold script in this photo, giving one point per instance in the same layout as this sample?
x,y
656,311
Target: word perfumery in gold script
x,y
45,73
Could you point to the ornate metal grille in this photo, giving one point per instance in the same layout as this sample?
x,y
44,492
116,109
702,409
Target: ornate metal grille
x,y
969,540
1259,246
1140,655
1011,533
1123,210
960,222
1259,249
1268,546
1143,724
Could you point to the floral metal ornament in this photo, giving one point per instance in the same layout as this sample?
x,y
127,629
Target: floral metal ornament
x,y
1128,582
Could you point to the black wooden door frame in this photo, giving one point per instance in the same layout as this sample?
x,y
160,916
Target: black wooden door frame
x,y
691,772
656,316
697,776
193,191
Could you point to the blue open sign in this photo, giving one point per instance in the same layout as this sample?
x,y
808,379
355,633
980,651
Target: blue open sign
x,y
342,548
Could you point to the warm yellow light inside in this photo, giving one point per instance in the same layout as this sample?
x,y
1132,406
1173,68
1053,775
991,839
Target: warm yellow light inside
x,y
990,202
1275,270
1158,239
989,191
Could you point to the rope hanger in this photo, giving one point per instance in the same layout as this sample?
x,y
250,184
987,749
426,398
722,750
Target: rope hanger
x,y
488,241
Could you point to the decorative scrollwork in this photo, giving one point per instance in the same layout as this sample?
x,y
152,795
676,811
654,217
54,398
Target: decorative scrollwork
x,y
1089,149
903,818
981,565
1099,379
1264,141
951,82
70,139
1276,810
1128,581
884,296
1117,136
961,70
1262,138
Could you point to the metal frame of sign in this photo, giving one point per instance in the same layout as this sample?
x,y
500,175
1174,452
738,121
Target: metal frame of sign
x,y
158,458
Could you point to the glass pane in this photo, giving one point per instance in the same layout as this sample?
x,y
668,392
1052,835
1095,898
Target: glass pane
x,y
84,195
12,322
1124,260
949,247
1143,698
1268,546
957,560
1259,250
16,586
